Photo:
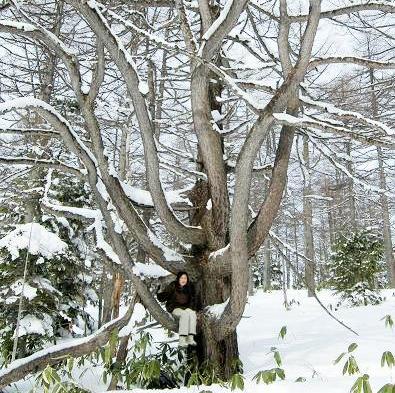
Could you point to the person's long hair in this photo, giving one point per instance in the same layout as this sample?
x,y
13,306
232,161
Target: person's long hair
x,y
179,274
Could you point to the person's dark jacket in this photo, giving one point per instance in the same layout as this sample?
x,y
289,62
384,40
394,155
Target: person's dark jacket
x,y
178,297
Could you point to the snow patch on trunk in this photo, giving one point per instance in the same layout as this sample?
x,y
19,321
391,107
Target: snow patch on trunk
x,y
217,309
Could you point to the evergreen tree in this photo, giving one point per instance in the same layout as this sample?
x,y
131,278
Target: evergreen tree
x,y
355,266
53,292
57,287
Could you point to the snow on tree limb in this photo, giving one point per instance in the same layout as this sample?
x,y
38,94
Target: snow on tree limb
x,y
333,110
381,6
331,156
213,37
239,243
35,238
57,353
307,122
96,20
63,167
144,198
376,64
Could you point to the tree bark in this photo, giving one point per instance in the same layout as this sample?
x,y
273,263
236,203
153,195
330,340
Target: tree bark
x,y
308,221
220,353
351,193
267,286
389,255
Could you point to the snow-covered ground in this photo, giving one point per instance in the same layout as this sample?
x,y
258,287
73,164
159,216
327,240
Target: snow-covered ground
x,y
313,341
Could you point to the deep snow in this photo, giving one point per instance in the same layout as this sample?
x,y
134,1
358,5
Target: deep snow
x,y
313,341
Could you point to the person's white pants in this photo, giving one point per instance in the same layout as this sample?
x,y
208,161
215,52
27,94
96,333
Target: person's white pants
x,y
187,321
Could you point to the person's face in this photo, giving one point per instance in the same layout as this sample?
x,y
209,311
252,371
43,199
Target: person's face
x,y
183,280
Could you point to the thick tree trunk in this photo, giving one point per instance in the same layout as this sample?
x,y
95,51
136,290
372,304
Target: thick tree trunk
x,y
211,289
220,354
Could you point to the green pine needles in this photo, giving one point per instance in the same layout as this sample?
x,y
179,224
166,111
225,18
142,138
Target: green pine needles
x,y
355,267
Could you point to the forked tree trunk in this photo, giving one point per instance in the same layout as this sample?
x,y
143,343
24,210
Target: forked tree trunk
x,y
211,289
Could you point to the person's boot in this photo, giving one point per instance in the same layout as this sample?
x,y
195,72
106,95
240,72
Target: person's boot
x,y
182,341
190,340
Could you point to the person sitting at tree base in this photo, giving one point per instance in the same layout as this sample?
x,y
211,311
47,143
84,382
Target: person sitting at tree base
x,y
180,300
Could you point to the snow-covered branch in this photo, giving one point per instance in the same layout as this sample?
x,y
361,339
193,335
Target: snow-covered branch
x,y
381,6
378,6
226,20
94,16
327,107
368,63
307,122
60,166
58,353
333,159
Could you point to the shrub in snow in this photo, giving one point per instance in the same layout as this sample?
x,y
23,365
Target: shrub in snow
x,y
355,266
53,293
145,367
162,365
50,380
